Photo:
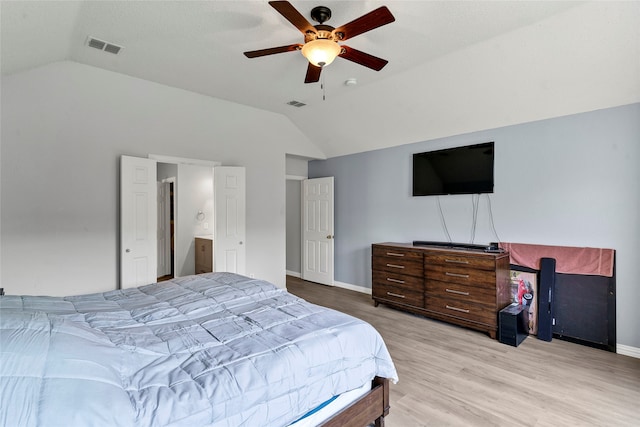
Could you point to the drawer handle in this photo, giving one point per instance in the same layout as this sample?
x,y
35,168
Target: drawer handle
x,y
389,279
457,261
457,309
395,266
464,276
394,254
453,291
395,295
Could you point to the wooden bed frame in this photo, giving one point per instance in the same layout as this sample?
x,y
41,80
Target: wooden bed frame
x,y
369,409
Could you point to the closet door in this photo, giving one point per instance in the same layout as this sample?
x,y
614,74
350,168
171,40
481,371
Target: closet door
x,y
229,251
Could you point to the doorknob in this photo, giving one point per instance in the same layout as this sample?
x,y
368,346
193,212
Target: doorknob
x,y
127,250
329,237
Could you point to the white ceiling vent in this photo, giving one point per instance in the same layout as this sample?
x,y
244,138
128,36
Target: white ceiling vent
x,y
296,103
103,45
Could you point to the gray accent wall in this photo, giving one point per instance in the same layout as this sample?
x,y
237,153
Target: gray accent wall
x,y
569,181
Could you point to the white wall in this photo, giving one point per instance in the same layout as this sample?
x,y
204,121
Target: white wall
x,y
297,166
167,170
583,59
64,127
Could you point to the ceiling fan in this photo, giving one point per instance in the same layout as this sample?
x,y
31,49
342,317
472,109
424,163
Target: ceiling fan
x,y
320,45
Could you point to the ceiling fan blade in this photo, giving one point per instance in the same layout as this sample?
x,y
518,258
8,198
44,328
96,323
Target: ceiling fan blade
x,y
272,50
362,58
374,19
313,73
292,15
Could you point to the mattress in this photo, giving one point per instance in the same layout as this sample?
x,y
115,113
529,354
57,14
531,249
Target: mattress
x,y
215,349
326,410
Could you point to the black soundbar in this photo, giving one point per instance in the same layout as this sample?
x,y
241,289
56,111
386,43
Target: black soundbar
x,y
492,247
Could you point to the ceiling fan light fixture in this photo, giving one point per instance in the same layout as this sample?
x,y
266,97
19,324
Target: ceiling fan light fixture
x,y
320,45
321,52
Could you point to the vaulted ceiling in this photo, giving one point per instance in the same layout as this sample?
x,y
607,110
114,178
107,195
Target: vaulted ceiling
x,y
454,66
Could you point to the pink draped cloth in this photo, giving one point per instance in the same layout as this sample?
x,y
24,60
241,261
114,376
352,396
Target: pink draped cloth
x,y
569,259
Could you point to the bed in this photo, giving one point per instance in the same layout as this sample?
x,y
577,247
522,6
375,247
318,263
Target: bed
x,y
215,349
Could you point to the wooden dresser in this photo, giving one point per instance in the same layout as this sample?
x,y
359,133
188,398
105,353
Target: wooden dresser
x,y
204,254
465,287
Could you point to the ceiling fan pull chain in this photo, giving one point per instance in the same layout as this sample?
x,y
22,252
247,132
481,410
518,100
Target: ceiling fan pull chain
x,y
323,89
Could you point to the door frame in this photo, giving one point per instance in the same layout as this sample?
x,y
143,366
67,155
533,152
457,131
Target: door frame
x,y
159,158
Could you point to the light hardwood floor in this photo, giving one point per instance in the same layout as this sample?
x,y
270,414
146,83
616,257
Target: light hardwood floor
x,y
455,376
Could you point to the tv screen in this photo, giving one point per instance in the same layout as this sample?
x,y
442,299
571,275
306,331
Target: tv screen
x,y
460,170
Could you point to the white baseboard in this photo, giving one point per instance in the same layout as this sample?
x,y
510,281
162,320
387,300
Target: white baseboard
x,y
336,284
293,273
352,287
627,350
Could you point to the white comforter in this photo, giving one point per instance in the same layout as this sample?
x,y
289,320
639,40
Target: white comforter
x,y
215,349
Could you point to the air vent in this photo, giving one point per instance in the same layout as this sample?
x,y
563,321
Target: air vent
x,y
296,103
103,45
98,44
112,48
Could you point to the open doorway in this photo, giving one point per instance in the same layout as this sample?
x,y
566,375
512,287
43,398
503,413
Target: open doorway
x,y
185,211
293,225
195,197
167,181
166,229
193,215
296,173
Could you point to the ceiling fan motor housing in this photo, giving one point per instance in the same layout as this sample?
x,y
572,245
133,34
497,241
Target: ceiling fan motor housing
x,y
322,32
320,14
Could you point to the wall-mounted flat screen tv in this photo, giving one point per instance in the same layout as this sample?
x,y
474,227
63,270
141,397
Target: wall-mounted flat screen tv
x,y
460,170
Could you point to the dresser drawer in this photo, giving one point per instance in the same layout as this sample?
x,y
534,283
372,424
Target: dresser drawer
x,y
396,253
461,275
461,309
409,283
464,293
452,259
398,294
403,266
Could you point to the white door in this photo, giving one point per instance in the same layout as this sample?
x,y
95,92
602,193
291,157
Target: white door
x,y
230,231
138,222
164,229
317,230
